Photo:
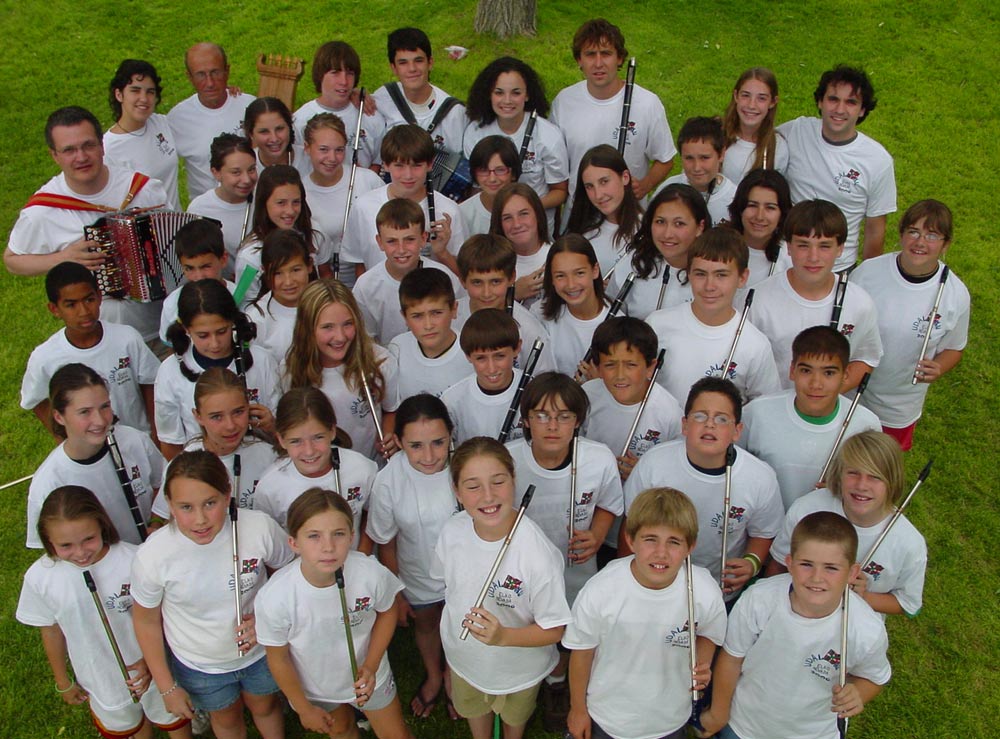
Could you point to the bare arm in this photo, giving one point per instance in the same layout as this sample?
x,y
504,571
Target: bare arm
x,y
943,362
739,570
29,265
43,414
313,718
485,627
556,195
147,401
855,371
874,237
148,624
54,643
658,172
578,721
727,673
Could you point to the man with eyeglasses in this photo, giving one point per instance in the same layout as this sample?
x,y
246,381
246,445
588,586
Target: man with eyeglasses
x,y
211,111
828,158
49,229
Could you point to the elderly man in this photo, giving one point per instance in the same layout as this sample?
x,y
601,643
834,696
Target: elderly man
x,y
198,119
49,229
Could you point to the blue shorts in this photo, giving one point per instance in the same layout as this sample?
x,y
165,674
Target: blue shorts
x,y
726,733
213,692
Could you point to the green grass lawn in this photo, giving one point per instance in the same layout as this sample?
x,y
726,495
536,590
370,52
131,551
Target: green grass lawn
x,y
934,66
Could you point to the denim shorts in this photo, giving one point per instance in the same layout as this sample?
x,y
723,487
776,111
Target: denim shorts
x,y
213,692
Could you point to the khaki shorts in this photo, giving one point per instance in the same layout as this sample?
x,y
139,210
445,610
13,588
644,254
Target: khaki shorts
x,y
514,708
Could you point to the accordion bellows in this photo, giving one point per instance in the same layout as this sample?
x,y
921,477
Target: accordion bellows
x,y
141,263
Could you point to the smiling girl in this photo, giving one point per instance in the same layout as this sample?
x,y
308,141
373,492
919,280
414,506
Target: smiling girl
x,y
751,141
758,211
494,162
287,269
82,418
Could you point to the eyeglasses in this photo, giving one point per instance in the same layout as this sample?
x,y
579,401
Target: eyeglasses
x,y
931,237
495,171
543,417
87,147
719,419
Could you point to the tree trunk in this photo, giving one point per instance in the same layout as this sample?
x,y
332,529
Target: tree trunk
x,y
506,17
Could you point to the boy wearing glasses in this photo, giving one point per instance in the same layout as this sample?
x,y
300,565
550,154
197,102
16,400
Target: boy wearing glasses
x,y
794,431
696,464
904,287
553,408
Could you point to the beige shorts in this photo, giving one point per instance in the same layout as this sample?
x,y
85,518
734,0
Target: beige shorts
x,y
514,708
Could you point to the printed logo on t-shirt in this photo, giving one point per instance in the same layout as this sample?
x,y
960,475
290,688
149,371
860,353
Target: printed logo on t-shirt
x,y
680,636
135,472
353,493
120,602
629,134
439,141
874,569
253,395
919,326
847,181
504,592
847,329
246,496
736,514
823,667
362,604
716,371
359,408
250,566
164,146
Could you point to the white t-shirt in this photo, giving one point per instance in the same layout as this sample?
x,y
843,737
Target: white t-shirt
x,y
858,176
150,150
143,464
377,293
529,328
120,357
569,336
546,161
449,132
44,230
717,201
192,585
275,323
696,350
411,508
608,421
55,594
645,292
328,204
586,122
755,509
900,561
760,269
231,216
372,130
606,248
281,484
475,215
529,263
351,407
528,589
249,257
174,394
740,156
424,374
902,322
781,313
597,486
641,636
791,663
256,456
359,245
476,413
169,313
195,126
310,621
796,449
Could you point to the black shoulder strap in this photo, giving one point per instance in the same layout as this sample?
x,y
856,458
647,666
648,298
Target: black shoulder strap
x,y
397,97
446,105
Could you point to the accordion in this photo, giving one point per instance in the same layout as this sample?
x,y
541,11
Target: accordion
x,y
141,264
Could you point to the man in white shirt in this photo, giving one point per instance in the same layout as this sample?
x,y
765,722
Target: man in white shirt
x,y
589,112
49,230
198,119
829,158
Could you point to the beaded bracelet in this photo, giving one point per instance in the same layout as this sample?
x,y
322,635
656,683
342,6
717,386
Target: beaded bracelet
x,y
754,560
66,689
168,691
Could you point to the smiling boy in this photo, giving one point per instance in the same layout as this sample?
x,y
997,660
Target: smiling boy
x,y
805,294
631,620
829,158
702,145
783,640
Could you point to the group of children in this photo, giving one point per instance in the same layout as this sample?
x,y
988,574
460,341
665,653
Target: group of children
x,y
327,455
